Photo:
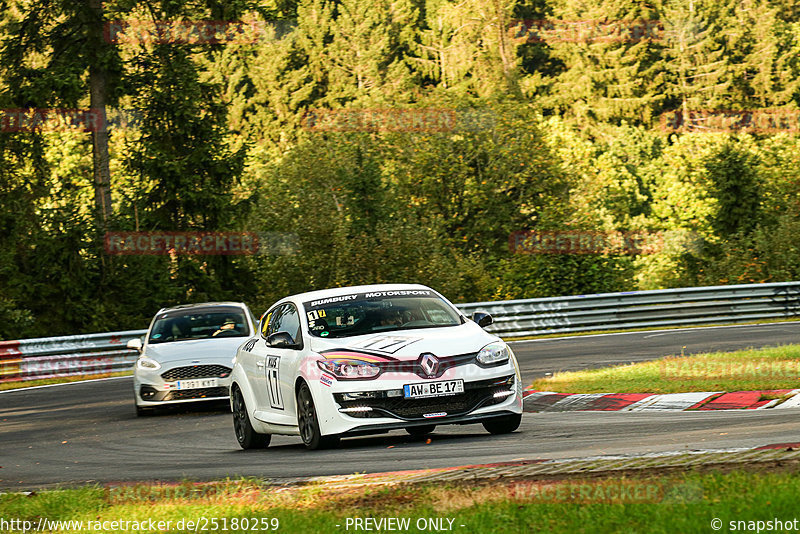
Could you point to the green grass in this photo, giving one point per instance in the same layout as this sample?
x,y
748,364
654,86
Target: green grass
x,y
680,503
63,380
746,370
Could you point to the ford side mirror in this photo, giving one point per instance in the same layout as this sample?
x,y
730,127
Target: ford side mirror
x,y
281,340
482,318
135,344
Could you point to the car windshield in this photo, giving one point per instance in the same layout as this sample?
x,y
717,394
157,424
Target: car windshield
x,y
378,311
199,323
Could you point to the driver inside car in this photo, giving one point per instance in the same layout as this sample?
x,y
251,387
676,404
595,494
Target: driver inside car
x,y
391,318
229,325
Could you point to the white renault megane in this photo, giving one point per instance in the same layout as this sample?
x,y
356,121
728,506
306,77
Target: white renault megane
x,y
369,359
187,353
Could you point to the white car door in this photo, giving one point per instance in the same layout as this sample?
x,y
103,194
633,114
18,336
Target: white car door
x,y
278,363
252,357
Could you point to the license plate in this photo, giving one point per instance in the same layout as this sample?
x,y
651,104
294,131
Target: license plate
x,y
197,383
433,389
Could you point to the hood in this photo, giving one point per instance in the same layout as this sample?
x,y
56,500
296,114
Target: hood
x,y
409,344
195,349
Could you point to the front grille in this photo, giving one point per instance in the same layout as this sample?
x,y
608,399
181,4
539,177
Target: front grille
x,y
196,371
202,393
476,395
444,363
415,366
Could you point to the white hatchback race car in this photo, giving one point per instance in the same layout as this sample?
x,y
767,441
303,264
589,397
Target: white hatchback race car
x,y
370,359
187,354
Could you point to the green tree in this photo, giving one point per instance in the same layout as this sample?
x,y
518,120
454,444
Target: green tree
x,y
700,73
735,185
54,55
482,185
613,70
467,47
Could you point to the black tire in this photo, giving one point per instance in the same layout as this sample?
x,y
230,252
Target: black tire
x,y
423,430
245,435
503,425
308,424
144,412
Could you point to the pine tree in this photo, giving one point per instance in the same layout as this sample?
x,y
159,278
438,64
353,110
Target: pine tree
x,y
612,66
267,87
468,46
367,55
700,73
768,53
54,55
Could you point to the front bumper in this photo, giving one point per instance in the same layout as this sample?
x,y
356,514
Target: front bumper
x,y
392,403
149,394
158,387
364,407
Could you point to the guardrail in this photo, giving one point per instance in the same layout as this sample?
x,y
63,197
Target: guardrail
x,y
94,354
55,357
641,309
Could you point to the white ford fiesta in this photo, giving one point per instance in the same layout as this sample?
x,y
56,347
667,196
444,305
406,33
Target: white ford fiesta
x,y
370,359
187,354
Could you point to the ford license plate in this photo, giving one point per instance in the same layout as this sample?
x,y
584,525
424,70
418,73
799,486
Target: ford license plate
x,y
197,383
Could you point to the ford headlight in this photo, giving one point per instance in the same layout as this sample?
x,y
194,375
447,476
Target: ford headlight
x,y
147,364
349,368
493,353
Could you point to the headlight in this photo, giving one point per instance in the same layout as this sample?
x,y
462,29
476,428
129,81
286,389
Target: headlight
x,y
147,364
492,353
349,368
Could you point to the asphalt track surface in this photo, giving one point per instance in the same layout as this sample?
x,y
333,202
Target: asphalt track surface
x,y
88,433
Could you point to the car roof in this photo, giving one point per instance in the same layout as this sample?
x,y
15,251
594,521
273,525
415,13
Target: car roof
x,y
202,305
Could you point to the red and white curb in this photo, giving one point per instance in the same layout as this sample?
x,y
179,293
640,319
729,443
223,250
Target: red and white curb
x,y
548,401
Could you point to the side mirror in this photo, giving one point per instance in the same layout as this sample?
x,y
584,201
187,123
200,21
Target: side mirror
x,y
482,318
281,340
135,344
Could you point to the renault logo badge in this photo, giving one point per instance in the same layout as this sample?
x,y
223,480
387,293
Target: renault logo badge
x,y
429,364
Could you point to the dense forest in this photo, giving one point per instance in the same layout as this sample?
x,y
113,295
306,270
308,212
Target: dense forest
x,y
389,141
